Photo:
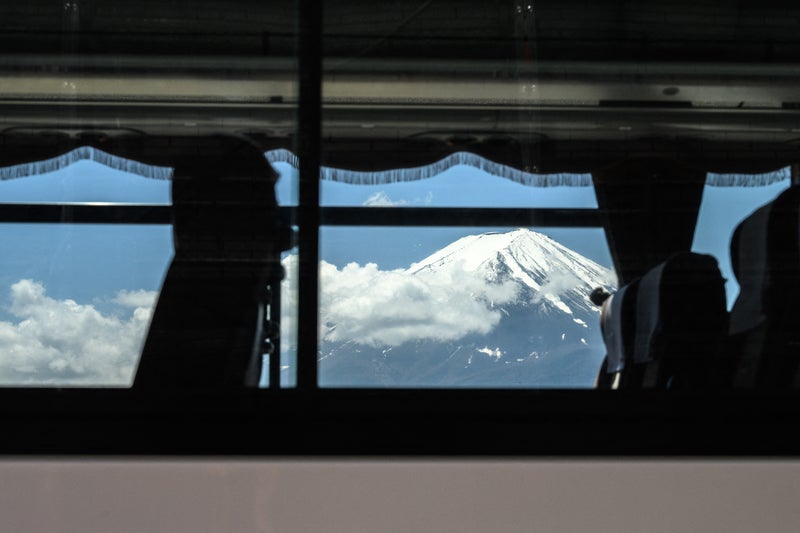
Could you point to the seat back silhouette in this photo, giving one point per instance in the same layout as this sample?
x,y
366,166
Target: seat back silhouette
x,y
617,321
207,329
671,323
765,319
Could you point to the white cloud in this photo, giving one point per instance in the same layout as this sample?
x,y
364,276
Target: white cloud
x,y
386,308
289,302
381,199
61,342
140,298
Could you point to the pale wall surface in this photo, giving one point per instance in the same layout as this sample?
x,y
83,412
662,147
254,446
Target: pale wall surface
x,y
352,496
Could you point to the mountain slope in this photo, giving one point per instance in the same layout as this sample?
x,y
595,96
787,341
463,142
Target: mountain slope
x,y
543,330
545,269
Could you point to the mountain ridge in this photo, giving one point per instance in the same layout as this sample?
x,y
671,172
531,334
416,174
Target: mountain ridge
x,y
546,335
527,257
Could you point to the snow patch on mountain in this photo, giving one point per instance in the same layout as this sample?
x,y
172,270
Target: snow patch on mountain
x,y
495,353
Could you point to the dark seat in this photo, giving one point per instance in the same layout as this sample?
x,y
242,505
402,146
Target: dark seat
x,y
666,329
765,319
617,319
208,328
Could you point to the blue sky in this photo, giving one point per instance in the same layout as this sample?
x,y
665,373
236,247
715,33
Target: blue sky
x,y
460,186
89,263
89,285
721,211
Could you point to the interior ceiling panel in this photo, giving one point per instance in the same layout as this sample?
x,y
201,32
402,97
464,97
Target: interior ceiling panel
x,y
565,69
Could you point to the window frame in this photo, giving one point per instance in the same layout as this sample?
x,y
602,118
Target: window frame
x,y
308,420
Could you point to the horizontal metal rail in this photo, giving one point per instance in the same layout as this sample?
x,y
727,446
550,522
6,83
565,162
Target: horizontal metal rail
x,y
329,216
459,216
85,213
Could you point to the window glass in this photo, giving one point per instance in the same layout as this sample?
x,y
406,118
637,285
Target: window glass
x,y
287,186
81,70
414,117
77,298
76,301
96,280
287,194
727,200
288,317
461,307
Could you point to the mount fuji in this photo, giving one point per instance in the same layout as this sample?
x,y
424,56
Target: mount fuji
x,y
538,328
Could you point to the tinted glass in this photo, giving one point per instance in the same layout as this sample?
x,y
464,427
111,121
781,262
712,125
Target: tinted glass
x,y
461,307
727,200
77,300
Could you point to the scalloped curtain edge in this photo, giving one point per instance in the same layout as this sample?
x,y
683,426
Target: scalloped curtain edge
x,y
503,171
85,153
402,175
748,180
353,177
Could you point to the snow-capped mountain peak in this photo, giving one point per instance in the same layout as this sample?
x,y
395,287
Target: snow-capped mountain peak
x,y
489,309
527,257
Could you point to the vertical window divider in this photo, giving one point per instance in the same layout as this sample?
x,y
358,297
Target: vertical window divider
x,y
309,129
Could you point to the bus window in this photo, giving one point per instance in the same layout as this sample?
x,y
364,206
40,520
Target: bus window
x,y
727,200
77,298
